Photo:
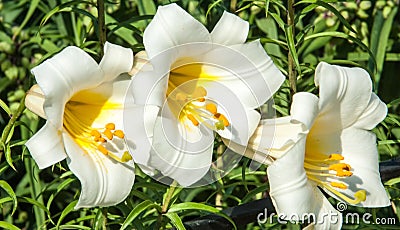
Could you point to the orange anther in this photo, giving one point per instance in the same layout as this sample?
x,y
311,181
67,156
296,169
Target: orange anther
x,y
95,133
119,133
102,149
192,119
102,140
110,126
340,167
344,173
335,157
222,118
339,185
108,134
212,108
201,99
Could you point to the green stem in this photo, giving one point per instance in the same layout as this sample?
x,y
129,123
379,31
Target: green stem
x,y
102,25
169,196
10,124
291,65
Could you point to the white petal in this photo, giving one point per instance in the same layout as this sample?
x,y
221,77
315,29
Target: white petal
x,y
230,30
181,160
327,217
63,75
304,109
34,101
172,26
116,60
104,182
139,124
360,151
46,146
344,95
372,115
246,70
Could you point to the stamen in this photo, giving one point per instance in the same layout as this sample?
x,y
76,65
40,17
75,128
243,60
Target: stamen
x,y
340,167
101,139
102,149
119,133
95,133
201,99
338,185
222,118
212,108
335,157
192,119
108,134
110,126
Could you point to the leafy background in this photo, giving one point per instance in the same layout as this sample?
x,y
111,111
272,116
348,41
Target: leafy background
x,y
353,33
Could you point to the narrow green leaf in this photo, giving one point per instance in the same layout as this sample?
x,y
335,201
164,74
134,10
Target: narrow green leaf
x,y
137,210
292,47
62,8
8,226
4,106
393,181
34,203
200,207
4,185
337,13
31,10
175,220
66,211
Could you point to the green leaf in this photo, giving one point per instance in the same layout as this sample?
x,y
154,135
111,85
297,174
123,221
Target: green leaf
x,y
66,211
32,8
8,226
337,13
201,207
392,181
4,185
175,220
292,47
4,106
137,210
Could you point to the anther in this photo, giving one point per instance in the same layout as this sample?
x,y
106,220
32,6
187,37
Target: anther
x,y
95,133
108,134
119,133
101,139
192,119
222,118
338,185
340,167
201,99
212,108
360,195
335,157
344,173
110,126
102,149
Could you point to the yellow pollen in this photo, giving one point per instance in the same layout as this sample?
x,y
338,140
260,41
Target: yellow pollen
x,y
126,157
95,133
110,126
222,118
180,97
201,99
102,149
192,119
199,92
108,134
212,108
102,140
119,133
344,173
335,157
339,185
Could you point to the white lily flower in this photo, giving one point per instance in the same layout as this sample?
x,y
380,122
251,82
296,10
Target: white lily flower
x,y
195,85
326,143
83,104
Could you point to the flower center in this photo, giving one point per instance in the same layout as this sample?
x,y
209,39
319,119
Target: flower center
x,y
197,108
328,172
108,140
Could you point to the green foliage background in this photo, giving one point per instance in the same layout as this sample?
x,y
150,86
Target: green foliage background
x,y
354,33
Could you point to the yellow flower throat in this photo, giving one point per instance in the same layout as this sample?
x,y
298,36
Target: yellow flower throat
x,y
328,171
109,141
188,100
